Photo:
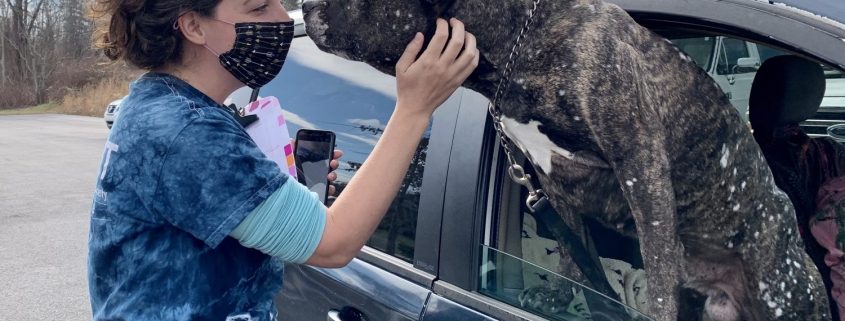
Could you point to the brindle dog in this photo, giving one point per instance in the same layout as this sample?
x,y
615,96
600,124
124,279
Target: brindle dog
x,y
620,126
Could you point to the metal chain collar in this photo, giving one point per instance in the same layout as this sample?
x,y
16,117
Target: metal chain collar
x,y
515,171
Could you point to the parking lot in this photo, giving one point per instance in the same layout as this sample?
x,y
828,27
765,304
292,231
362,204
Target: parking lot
x,y
48,165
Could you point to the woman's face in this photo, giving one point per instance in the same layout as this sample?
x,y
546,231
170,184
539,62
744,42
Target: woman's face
x,y
221,35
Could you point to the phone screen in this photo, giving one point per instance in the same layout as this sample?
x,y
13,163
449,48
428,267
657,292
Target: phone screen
x,y
313,153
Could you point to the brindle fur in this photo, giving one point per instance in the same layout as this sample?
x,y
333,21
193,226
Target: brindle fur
x,y
671,152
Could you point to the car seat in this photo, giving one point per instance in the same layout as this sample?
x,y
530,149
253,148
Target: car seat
x,y
788,90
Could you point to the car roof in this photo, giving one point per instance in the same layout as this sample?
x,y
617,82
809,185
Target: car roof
x,y
832,9
814,29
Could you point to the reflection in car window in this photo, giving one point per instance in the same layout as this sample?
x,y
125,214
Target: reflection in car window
x,y
321,91
520,265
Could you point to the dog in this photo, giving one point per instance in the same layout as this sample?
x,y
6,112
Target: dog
x,y
621,126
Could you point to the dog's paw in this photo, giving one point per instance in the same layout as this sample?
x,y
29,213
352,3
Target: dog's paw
x,y
546,299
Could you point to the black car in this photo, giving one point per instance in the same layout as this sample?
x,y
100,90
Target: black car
x,y
458,242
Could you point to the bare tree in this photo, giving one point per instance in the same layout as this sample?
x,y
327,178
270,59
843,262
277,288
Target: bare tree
x,y
36,38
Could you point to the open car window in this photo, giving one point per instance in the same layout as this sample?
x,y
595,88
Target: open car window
x,y
520,265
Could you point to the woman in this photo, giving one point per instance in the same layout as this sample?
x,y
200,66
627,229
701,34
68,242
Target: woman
x,y
190,220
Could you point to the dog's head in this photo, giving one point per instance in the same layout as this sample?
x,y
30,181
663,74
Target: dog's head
x,y
377,31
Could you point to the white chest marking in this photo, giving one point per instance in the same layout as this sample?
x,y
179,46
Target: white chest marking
x,y
534,143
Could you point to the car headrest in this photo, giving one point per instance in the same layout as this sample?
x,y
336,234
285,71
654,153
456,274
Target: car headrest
x,y
786,90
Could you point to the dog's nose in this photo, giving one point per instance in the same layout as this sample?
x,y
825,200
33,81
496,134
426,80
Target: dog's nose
x,y
309,5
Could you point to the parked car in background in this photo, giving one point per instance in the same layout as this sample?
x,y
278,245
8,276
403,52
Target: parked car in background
x,y
458,243
111,112
733,64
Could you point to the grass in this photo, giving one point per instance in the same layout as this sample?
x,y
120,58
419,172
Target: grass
x,y
89,100
40,109
92,99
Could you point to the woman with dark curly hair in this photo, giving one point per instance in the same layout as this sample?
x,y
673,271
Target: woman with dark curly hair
x,y
190,221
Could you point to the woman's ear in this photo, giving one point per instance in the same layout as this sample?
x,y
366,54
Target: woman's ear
x,y
189,24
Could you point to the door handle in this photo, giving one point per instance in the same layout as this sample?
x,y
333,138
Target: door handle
x,y
731,79
345,314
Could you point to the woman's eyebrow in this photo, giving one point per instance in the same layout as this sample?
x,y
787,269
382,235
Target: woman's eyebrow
x,y
246,2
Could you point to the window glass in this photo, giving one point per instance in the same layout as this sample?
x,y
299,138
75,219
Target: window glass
x,y
767,52
520,264
737,86
732,50
322,91
699,48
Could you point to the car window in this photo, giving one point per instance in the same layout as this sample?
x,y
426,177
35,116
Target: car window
x,y
732,50
520,264
699,48
322,91
832,111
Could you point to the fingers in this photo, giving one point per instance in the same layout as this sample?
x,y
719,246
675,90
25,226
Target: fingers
x,y
332,190
438,41
334,164
410,54
457,41
469,58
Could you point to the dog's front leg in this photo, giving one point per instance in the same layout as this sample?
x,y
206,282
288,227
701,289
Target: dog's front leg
x,y
645,180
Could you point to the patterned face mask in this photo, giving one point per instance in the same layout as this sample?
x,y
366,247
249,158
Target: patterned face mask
x,y
259,52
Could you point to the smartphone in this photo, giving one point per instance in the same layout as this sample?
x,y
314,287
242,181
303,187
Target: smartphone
x,y
314,151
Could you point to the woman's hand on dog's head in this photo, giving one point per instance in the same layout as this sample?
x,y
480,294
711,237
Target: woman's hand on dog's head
x,y
426,82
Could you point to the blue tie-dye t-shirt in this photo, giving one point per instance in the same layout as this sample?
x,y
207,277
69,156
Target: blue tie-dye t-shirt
x,y
177,176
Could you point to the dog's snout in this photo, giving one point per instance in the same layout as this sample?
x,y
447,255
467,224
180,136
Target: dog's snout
x,y
309,5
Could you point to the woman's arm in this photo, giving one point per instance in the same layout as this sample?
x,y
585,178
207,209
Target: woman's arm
x,y
422,84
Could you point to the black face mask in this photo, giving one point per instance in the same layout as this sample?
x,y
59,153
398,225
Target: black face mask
x,y
259,52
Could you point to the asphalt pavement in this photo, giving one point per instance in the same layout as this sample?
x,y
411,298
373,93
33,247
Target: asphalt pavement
x,y
48,166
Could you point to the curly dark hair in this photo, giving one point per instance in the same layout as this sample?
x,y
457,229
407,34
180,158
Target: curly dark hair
x,y
141,32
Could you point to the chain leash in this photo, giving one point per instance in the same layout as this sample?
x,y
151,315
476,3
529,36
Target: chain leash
x,y
515,171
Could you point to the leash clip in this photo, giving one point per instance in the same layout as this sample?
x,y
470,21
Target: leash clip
x,y
518,175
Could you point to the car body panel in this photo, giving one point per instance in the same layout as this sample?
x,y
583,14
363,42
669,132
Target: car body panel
x,y
381,295
834,95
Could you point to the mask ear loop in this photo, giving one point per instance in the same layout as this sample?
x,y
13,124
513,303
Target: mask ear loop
x,y
176,27
176,22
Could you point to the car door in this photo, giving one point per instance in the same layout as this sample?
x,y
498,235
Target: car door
x,y
392,276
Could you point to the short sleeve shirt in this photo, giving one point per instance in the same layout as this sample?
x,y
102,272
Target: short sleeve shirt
x,y
178,174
